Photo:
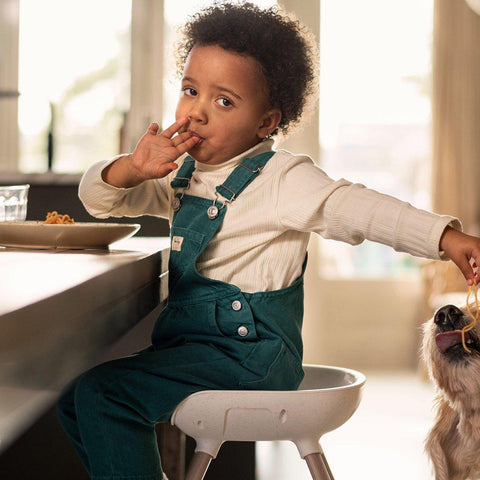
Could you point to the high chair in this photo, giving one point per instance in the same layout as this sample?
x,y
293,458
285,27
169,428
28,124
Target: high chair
x,y
327,398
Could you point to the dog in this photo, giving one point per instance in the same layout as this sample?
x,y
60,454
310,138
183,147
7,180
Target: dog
x,y
453,443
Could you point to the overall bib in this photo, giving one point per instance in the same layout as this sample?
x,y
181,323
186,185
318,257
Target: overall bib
x,y
210,335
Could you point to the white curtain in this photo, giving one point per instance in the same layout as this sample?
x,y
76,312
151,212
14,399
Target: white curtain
x,y
456,112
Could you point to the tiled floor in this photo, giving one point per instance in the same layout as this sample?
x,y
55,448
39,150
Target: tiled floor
x,y
384,438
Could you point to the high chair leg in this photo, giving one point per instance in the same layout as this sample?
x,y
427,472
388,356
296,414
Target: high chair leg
x,y
318,466
198,466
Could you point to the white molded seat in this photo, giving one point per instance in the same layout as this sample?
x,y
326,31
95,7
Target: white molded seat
x,y
327,398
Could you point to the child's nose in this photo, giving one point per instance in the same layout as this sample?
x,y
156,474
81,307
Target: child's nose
x,y
198,112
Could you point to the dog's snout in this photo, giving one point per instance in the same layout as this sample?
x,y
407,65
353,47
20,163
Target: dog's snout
x,y
449,317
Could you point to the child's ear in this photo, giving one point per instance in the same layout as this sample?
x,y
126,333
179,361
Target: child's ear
x,y
270,121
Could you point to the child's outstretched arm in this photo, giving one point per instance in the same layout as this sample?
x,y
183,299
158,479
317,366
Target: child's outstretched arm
x,y
153,157
460,248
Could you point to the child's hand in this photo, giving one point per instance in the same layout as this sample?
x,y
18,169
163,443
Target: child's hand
x,y
461,248
153,157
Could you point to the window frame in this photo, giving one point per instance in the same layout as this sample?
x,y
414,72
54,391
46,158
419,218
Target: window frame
x,y
9,31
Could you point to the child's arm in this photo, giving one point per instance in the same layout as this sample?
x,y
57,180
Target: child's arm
x,y
460,248
153,157
105,189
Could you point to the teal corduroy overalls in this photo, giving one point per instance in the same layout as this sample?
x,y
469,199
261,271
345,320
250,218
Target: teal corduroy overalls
x,y
211,335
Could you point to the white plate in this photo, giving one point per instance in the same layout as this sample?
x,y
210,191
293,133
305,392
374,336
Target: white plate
x,y
34,234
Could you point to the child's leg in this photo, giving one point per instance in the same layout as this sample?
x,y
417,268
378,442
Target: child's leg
x,y
117,404
68,419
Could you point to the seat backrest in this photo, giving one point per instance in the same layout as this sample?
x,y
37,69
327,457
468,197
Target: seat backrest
x,y
321,376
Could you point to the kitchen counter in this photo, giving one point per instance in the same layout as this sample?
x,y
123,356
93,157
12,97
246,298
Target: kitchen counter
x,y
60,310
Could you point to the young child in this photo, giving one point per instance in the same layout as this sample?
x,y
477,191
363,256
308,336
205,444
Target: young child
x,y
241,215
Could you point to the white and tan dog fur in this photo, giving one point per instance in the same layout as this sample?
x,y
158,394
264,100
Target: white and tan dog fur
x,y
453,443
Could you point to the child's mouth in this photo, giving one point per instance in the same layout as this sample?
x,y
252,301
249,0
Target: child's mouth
x,y
196,135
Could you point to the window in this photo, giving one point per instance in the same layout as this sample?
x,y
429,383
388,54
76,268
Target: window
x,y
74,81
375,63
74,78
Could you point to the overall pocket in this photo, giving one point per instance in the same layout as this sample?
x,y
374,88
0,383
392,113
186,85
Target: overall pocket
x,y
185,246
183,324
277,368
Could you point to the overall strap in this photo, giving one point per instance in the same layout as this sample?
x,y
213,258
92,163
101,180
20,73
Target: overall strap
x,y
243,175
182,179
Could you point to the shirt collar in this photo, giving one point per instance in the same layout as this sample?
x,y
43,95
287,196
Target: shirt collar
x,y
262,147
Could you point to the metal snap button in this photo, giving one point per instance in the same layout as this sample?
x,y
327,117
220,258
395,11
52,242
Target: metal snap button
x,y
212,212
176,204
242,331
237,305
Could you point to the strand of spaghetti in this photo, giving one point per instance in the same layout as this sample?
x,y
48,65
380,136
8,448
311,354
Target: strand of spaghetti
x,y
471,325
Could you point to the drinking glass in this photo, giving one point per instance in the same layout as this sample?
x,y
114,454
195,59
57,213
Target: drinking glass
x,y
13,203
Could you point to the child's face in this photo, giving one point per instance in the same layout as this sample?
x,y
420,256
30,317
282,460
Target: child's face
x,y
224,97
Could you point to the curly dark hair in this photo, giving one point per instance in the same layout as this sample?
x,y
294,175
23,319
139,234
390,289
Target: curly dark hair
x,y
284,48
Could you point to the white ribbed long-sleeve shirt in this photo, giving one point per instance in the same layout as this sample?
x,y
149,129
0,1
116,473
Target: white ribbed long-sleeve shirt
x,y
263,239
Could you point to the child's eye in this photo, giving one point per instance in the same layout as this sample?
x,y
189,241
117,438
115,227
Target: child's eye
x,y
224,102
189,91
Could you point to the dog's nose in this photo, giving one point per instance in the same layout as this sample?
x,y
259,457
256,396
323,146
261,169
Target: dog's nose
x,y
448,317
